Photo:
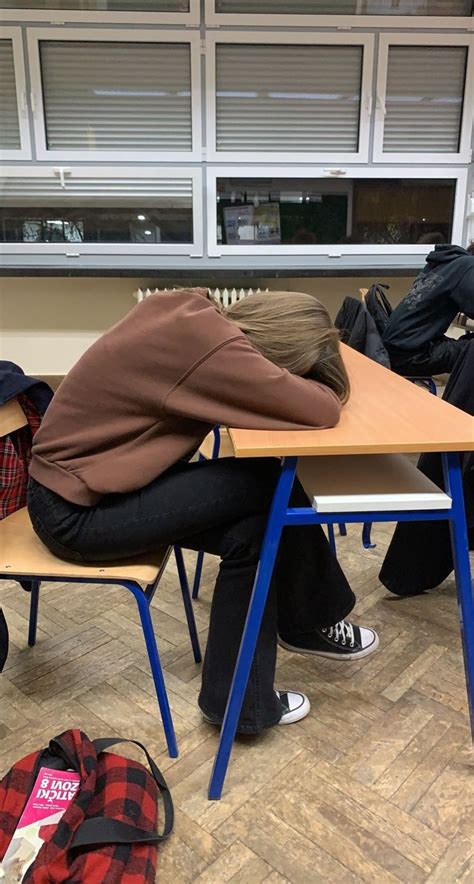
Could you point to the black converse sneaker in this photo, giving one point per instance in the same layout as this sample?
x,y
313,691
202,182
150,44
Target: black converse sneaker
x,y
342,641
295,706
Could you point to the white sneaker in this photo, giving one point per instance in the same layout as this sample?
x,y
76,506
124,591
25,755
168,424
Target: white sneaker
x,y
295,706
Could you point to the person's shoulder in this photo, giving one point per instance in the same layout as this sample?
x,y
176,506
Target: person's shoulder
x,y
190,317
465,266
162,299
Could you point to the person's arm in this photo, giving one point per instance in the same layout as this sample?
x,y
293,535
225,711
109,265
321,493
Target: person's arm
x,y
463,294
237,387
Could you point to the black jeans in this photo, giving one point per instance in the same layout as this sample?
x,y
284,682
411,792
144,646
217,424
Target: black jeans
x,y
438,357
220,507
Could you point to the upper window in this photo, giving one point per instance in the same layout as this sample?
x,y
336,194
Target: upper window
x,y
99,96
296,101
92,210
104,11
296,12
14,135
424,98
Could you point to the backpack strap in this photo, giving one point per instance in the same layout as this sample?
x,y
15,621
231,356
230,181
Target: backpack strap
x,y
105,743
105,830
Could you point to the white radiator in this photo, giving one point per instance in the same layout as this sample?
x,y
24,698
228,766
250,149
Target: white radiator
x,y
225,297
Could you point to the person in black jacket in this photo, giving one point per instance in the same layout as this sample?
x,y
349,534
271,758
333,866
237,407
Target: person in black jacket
x,y
419,556
415,333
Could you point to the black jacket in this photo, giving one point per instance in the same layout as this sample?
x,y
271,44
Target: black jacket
x,y
14,381
358,330
419,556
444,288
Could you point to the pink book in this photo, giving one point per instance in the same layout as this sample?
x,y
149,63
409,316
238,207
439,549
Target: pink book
x,y
52,793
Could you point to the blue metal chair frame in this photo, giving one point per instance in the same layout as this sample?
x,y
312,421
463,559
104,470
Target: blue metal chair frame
x,y
143,598
425,382
281,515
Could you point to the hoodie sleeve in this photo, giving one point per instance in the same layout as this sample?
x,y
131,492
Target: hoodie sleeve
x,y
463,294
237,387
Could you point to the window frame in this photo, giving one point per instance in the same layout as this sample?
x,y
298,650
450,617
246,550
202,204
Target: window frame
x,y
315,172
288,20
367,41
194,249
463,155
470,217
36,35
103,17
24,151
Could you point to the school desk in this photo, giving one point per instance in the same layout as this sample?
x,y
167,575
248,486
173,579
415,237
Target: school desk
x,y
386,415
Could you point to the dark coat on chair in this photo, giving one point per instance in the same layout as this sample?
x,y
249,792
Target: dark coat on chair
x,y
14,382
37,395
358,329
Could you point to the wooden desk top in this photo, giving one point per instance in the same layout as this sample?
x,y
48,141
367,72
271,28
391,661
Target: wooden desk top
x,y
385,413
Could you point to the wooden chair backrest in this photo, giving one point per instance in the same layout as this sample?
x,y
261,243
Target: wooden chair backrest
x,y
12,417
363,294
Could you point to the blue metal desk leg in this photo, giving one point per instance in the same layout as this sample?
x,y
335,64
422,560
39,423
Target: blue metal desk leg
x,y
252,625
462,570
332,538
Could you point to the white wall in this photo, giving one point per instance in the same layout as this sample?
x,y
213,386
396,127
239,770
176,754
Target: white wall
x,y
47,323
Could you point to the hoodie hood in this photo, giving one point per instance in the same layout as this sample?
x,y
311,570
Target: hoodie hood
x,y
444,253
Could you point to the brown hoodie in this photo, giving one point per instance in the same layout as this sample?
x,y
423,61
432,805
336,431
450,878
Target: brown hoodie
x,y
145,395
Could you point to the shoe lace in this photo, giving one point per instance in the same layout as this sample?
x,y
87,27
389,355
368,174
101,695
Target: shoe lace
x,y
341,633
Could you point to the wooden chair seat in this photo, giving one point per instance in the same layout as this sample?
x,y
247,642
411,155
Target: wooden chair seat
x,y
23,557
12,417
226,449
364,483
22,554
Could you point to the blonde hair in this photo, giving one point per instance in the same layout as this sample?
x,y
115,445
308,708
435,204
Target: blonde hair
x,y
294,330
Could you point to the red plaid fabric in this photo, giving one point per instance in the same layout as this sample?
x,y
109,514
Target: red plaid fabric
x,y
15,456
111,786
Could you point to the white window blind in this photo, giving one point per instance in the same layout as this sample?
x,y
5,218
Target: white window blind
x,y
345,7
296,98
9,126
100,5
23,190
124,96
424,99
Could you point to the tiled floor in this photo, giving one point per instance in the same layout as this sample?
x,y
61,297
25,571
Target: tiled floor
x,y
376,785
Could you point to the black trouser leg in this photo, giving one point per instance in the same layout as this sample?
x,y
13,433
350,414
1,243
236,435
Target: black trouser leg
x,y
220,507
438,358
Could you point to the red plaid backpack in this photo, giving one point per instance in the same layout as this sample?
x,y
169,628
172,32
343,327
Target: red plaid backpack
x,y
108,832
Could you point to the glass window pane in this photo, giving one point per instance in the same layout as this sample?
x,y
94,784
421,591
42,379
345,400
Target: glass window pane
x,y
288,98
424,100
94,210
96,225
9,126
346,7
304,211
100,5
117,96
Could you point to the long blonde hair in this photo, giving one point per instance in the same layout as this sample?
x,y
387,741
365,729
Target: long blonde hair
x,y
294,330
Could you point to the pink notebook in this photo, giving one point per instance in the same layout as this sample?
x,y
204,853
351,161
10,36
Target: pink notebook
x,y
51,795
